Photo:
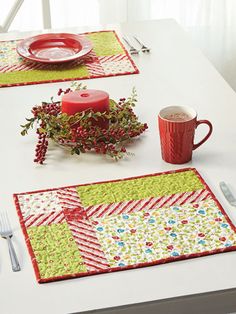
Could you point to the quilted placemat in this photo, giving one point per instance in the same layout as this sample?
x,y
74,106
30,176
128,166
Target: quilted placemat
x,y
107,58
109,226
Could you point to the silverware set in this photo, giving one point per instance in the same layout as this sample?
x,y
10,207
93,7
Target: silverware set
x,y
6,233
132,49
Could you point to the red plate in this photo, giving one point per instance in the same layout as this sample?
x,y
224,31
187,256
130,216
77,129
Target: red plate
x,y
54,48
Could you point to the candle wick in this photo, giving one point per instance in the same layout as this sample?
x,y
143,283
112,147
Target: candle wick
x,y
84,95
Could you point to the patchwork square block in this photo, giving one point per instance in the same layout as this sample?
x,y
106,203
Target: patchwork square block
x,y
122,224
55,251
113,65
143,237
39,203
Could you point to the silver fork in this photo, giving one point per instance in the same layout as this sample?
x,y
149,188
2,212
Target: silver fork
x,y
132,50
143,47
6,233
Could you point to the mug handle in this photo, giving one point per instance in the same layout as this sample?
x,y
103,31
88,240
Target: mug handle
x,y
208,134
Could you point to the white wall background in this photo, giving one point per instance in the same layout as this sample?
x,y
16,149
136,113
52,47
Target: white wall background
x,y
210,23
80,12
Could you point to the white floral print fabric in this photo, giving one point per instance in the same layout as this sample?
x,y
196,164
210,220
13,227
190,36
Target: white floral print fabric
x,y
141,237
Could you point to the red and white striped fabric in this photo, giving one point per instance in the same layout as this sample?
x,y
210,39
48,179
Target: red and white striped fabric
x,y
116,64
98,211
44,219
23,66
89,247
71,204
114,58
91,57
69,198
95,69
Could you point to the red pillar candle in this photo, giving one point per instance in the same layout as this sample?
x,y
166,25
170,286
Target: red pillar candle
x,y
96,100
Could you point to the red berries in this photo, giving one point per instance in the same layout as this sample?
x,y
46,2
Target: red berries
x,y
48,108
41,148
61,91
52,109
79,134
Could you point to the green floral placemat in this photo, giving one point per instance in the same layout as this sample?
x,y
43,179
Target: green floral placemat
x,y
107,58
102,227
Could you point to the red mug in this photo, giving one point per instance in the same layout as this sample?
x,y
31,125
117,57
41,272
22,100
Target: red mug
x,y
177,126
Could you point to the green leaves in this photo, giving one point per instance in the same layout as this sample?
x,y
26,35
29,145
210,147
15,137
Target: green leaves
x,y
27,126
112,104
82,132
23,132
75,150
133,98
78,86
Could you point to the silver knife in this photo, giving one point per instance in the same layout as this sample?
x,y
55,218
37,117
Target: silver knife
x,y
228,194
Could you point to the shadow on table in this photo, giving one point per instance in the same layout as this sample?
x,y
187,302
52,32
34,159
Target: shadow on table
x,y
220,302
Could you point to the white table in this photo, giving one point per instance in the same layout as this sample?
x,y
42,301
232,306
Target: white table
x,y
174,72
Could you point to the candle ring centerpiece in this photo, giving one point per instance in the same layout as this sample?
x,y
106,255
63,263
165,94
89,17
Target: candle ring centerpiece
x,y
98,124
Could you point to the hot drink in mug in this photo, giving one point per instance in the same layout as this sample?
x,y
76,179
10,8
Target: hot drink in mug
x,y
177,126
